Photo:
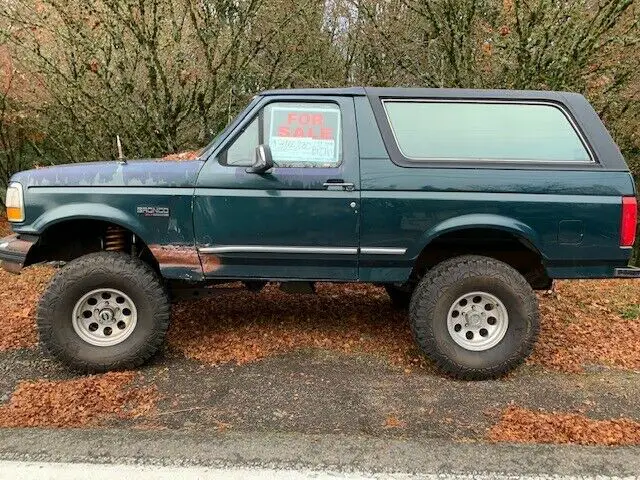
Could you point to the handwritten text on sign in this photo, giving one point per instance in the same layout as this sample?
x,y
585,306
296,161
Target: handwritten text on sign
x,y
304,134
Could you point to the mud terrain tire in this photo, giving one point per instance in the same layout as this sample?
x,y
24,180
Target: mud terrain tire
x,y
435,315
103,272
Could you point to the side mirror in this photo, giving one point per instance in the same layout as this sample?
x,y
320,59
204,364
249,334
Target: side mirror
x,y
263,160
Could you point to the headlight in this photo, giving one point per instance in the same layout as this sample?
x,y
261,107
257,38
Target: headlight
x,y
15,203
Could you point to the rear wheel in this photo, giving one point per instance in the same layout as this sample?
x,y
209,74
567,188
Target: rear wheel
x,y
104,311
476,317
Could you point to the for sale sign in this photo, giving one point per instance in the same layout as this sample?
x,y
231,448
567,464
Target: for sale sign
x,y
305,134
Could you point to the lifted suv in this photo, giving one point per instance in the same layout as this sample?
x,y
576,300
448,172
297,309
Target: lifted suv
x,y
460,202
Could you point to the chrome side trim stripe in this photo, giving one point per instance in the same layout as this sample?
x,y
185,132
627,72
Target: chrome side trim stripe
x,y
382,251
278,249
320,250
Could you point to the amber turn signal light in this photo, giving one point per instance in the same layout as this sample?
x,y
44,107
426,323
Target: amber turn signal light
x,y
15,203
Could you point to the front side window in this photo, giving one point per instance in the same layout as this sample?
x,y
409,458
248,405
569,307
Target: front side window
x,y
299,135
426,131
242,150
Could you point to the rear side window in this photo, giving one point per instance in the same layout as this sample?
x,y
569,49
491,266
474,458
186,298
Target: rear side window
x,y
465,131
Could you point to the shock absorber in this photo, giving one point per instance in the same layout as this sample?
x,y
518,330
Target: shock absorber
x,y
115,239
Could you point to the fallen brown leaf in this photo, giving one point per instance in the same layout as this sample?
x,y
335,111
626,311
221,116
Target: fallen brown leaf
x,y
92,400
521,425
394,422
18,299
222,426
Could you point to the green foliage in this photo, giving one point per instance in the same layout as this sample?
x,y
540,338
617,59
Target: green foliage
x,y
163,74
18,144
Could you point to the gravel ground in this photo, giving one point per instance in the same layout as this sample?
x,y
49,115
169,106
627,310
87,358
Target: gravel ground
x,y
324,392
316,454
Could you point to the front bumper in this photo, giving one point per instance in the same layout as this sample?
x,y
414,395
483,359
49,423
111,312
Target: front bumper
x,y
14,250
629,272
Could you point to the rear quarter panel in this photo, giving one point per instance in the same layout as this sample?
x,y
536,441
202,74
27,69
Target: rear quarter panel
x,y
570,216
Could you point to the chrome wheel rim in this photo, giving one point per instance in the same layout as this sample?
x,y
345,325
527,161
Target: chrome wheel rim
x,y
477,321
104,317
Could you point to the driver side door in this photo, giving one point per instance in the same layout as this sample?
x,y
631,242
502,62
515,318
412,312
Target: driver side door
x,y
298,220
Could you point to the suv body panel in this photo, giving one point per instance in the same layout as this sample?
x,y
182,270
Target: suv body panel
x,y
569,214
285,223
112,192
532,202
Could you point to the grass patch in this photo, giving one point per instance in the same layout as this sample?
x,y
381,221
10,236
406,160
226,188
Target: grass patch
x,y
630,312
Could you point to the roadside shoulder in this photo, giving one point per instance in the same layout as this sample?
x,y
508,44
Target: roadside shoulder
x,y
325,452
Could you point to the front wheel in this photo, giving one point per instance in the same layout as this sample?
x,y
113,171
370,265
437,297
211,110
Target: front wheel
x,y
476,317
104,311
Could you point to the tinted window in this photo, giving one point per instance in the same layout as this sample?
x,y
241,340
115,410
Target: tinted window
x,y
484,131
298,134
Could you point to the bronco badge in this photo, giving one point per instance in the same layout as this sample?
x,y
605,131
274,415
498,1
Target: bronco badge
x,y
153,211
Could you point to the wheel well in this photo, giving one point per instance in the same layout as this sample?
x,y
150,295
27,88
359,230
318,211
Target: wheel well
x,y
71,239
499,244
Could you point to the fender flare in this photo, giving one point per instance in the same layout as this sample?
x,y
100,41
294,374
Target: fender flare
x,y
481,220
190,269
89,211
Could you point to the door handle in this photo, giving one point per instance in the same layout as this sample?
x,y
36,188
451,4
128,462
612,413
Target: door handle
x,y
348,186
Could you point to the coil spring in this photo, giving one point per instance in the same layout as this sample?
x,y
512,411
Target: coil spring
x,y
115,239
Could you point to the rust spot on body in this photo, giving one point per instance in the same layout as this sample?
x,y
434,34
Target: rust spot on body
x,y
210,263
169,256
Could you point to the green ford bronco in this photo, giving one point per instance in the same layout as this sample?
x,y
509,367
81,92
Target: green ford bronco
x,y
460,203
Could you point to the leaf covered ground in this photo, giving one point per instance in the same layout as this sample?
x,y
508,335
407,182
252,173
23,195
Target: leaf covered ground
x,y
347,318
4,227
88,401
522,425
590,322
18,299
340,360
584,323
